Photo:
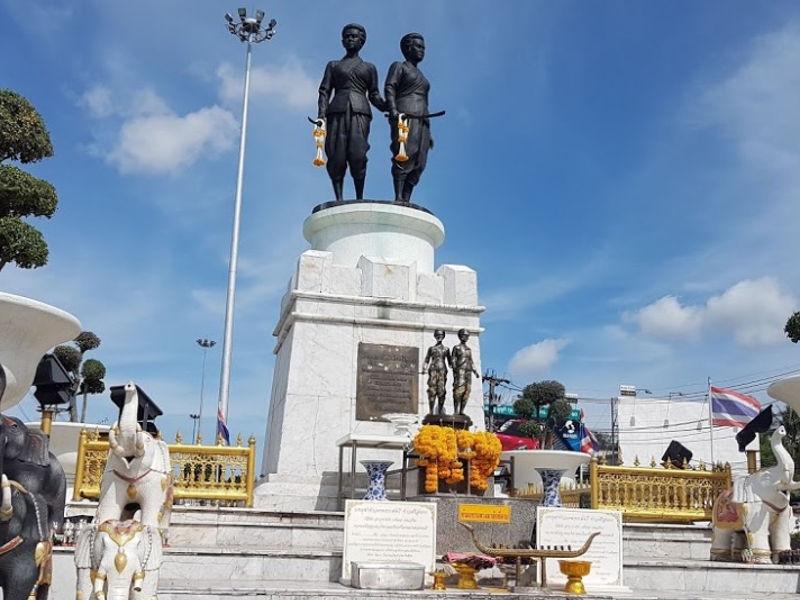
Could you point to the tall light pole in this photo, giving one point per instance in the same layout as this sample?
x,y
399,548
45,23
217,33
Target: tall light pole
x,y
205,345
249,30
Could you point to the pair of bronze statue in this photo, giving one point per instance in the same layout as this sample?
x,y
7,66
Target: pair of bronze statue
x,y
348,88
460,361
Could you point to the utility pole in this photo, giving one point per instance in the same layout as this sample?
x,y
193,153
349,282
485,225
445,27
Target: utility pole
x,y
493,380
614,432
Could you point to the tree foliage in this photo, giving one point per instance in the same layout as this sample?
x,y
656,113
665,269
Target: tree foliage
x,y
23,135
24,138
543,393
87,340
70,358
560,411
92,374
792,327
87,375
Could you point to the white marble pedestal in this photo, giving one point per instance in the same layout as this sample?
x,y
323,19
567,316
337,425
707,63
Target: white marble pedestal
x,y
369,278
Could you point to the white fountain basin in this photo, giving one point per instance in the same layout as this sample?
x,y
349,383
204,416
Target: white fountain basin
x,y
28,329
526,463
787,391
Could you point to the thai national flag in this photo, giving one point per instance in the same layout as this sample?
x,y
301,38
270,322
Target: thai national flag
x,y
222,429
589,444
730,408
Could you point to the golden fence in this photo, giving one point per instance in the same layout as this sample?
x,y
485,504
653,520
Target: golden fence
x,y
217,473
654,494
645,494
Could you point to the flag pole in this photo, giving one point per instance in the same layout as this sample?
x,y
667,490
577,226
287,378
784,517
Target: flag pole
x,y
711,422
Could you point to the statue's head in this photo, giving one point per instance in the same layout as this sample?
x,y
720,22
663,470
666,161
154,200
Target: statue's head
x,y
438,335
354,36
412,45
463,335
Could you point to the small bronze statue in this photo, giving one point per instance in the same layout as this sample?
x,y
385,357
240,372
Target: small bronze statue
x,y
436,361
406,92
354,85
463,369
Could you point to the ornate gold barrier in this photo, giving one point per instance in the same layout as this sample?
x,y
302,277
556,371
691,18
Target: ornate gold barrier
x,y
655,494
645,494
221,473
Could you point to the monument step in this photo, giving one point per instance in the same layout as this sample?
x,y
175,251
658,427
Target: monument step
x,y
294,590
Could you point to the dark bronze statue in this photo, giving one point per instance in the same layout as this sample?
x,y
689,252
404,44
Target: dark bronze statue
x,y
354,85
406,92
436,361
463,369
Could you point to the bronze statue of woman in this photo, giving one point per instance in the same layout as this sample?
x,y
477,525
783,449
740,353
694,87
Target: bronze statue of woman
x,y
354,85
406,91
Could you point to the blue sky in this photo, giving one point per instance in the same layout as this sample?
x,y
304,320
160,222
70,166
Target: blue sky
x,y
624,177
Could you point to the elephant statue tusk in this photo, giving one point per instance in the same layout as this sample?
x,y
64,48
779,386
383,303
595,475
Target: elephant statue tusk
x,y
6,510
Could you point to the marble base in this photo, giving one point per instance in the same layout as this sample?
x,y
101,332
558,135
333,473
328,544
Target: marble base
x,y
369,279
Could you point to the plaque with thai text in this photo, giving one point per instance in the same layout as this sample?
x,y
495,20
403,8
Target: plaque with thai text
x,y
388,380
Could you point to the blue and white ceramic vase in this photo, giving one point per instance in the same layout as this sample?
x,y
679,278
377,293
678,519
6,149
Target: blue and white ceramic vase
x,y
551,481
376,471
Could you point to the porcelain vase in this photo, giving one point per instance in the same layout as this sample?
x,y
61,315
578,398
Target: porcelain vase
x,y
376,471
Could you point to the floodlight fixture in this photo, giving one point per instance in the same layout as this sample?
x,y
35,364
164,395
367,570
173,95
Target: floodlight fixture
x,y
249,29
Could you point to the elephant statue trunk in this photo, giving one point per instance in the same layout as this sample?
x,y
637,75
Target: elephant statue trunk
x,y
126,438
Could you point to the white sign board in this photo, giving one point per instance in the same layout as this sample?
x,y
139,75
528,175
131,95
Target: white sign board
x,y
389,532
571,527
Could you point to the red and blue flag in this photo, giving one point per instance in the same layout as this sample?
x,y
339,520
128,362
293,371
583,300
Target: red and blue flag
x,y
730,408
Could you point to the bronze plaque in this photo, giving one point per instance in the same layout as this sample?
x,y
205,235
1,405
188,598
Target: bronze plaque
x,y
388,381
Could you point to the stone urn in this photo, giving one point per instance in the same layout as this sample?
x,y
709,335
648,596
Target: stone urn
x,y
28,329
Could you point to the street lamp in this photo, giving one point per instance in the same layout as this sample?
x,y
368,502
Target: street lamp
x,y
248,30
195,431
205,345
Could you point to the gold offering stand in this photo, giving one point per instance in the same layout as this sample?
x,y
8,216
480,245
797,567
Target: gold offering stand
x,y
518,554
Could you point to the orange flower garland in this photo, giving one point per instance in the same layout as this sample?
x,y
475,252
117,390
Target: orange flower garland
x,y
440,449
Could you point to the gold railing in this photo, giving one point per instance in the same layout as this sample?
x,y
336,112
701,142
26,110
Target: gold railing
x,y
217,473
654,494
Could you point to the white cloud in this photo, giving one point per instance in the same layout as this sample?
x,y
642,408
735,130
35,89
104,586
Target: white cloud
x,y
666,317
536,359
147,136
98,101
757,104
753,310
165,143
289,84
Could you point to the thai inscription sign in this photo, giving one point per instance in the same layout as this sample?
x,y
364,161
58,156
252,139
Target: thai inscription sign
x,y
388,380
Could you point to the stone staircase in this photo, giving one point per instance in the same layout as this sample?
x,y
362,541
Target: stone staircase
x,y
219,553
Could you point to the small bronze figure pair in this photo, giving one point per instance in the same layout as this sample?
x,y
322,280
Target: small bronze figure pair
x,y
435,365
348,88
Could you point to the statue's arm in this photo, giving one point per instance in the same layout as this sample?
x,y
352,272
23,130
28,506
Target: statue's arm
x,y
374,94
390,88
426,361
325,92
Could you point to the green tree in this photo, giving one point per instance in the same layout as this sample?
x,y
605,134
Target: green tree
x,y
792,327
536,395
87,377
23,138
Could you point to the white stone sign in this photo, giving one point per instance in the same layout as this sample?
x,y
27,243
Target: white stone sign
x,y
389,532
571,527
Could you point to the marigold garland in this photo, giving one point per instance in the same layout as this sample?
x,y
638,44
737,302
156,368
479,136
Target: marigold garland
x,y
442,450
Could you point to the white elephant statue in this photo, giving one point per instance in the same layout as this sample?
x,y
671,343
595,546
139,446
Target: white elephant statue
x,y
138,472
118,560
758,507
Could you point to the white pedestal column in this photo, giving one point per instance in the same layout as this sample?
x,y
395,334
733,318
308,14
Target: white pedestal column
x,y
368,279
